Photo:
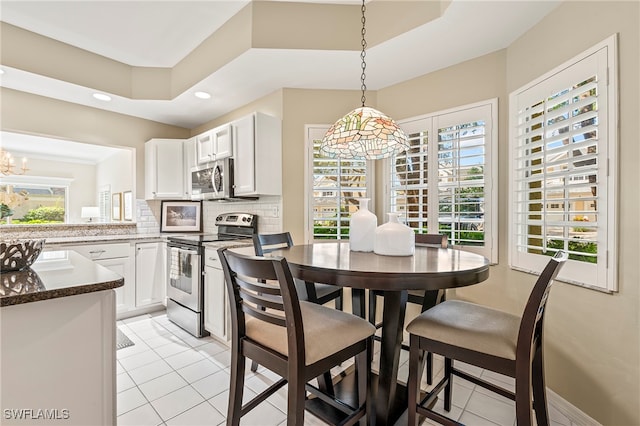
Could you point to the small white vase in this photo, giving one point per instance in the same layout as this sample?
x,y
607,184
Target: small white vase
x,y
394,238
362,228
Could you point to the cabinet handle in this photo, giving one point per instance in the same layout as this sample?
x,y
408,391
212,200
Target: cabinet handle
x,y
96,251
213,258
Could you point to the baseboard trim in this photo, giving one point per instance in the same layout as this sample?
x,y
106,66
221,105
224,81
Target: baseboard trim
x,y
574,414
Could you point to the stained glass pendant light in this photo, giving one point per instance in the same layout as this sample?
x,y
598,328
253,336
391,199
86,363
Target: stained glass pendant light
x,y
364,133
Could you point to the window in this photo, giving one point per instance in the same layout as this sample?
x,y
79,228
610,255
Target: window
x,y
336,186
28,200
445,182
563,162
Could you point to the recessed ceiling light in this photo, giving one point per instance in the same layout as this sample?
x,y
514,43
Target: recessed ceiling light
x,y
202,95
102,97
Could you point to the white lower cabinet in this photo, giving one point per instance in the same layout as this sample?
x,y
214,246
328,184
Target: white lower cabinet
x,y
150,274
216,305
141,264
125,295
117,258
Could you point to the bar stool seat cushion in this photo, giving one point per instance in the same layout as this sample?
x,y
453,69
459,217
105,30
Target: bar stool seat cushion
x,y
320,326
470,326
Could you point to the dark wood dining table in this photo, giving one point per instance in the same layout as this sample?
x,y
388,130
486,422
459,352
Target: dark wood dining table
x,y
430,268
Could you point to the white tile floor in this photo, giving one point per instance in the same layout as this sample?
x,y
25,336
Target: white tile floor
x,y
172,378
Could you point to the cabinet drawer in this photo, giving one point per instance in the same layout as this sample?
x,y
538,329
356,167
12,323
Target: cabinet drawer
x,y
101,251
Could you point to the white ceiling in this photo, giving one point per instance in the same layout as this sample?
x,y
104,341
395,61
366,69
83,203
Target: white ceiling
x,y
161,33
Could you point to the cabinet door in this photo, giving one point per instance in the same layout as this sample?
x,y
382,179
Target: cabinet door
x,y
244,174
125,295
205,147
150,274
164,169
216,310
223,142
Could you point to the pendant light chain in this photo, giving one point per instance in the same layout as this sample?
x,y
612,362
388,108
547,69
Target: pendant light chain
x,y
365,132
363,54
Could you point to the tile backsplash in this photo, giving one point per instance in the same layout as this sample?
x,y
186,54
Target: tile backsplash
x,y
268,210
148,212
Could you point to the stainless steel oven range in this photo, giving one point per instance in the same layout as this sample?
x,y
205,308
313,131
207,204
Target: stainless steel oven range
x,y
185,267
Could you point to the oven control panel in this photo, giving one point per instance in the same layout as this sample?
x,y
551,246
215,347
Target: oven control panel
x,y
236,219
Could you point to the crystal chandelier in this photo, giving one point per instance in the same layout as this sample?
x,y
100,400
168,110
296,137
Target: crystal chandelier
x,y
7,164
364,133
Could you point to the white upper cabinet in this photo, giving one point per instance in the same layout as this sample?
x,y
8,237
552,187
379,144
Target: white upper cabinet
x,y
257,144
165,174
214,144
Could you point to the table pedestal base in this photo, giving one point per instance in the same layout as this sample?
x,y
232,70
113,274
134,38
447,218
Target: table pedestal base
x,y
346,390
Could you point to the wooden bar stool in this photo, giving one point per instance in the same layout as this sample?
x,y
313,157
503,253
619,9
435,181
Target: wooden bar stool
x,y
490,339
297,340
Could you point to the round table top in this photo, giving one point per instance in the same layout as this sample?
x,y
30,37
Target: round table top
x,y
430,268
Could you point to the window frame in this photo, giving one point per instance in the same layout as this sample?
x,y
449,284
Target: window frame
x,y
490,249
606,269
42,181
315,132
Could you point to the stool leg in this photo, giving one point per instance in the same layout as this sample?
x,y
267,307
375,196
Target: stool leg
x,y
448,372
413,386
539,389
372,307
429,368
236,388
339,300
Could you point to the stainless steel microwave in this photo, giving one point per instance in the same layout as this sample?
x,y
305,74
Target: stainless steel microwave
x,y
213,180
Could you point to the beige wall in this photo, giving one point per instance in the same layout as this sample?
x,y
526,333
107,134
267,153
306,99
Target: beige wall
x,y
31,114
592,338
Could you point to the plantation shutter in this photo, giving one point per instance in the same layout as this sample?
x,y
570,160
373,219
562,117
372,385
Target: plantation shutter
x,y
444,182
559,172
461,177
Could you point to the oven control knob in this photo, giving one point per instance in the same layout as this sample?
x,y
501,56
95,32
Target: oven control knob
x,y
219,218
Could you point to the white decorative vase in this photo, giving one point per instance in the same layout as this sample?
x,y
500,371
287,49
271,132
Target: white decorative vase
x,y
362,228
394,238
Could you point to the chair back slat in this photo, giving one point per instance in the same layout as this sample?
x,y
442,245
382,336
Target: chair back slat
x,y
243,267
266,243
262,300
265,316
530,332
262,288
432,240
259,287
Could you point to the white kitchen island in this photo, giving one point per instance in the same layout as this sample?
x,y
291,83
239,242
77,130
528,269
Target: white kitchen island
x,y
57,342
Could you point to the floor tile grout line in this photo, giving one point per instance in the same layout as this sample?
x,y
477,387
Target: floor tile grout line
x,y
189,383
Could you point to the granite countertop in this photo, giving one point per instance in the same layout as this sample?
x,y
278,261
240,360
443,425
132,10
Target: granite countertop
x,y
104,238
56,274
245,242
